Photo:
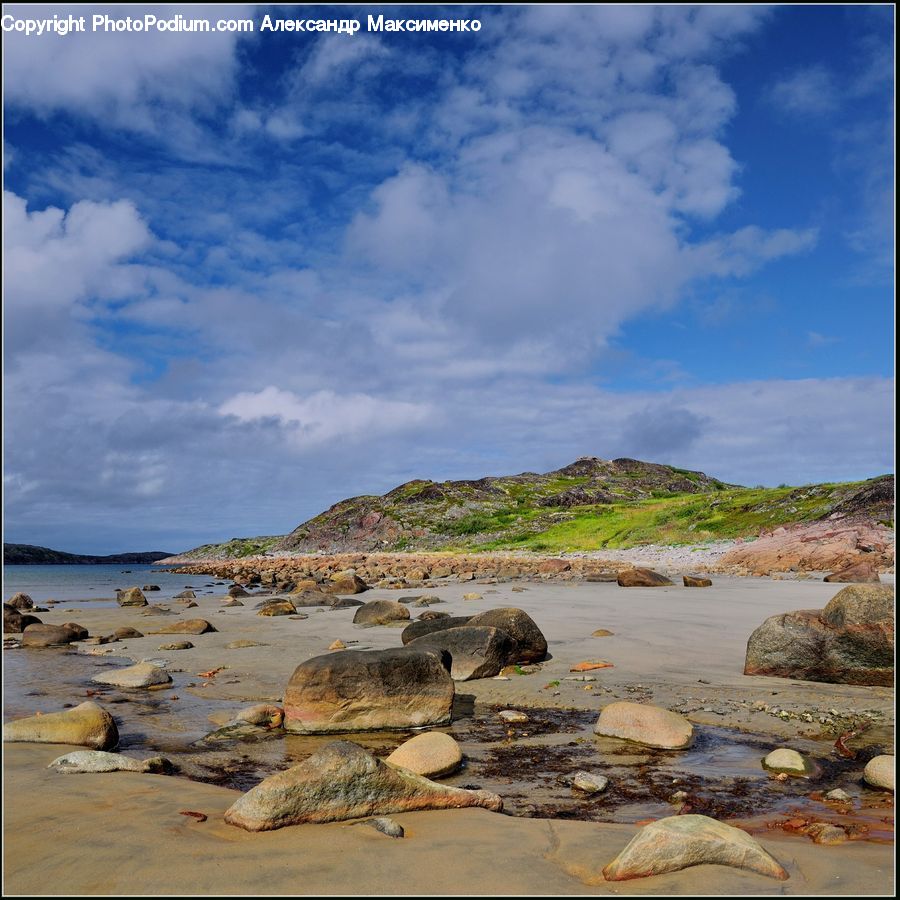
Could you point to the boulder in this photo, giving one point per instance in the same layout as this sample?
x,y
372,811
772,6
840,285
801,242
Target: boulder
x,y
177,645
786,760
345,584
380,612
859,572
21,601
432,614
131,597
530,643
863,606
695,581
358,690
641,578
641,723
83,761
306,584
474,651
85,725
41,635
345,603
278,607
124,633
187,626
431,754
237,590
423,626
879,772
186,595
678,842
851,641
342,781
151,587
15,622
141,675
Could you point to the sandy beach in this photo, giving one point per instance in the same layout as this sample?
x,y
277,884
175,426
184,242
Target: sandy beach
x,y
678,648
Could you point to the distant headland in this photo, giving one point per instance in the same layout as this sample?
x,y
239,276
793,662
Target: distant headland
x,y
29,555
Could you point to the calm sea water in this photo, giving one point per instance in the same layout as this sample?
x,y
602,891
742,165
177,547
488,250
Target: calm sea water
x,y
94,582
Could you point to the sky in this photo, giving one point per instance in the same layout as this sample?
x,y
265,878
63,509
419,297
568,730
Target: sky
x,y
247,275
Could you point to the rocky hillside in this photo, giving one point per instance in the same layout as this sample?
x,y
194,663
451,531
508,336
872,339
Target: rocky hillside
x,y
592,504
29,555
430,515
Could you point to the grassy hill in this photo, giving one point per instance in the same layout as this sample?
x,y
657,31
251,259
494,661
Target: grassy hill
x,y
591,504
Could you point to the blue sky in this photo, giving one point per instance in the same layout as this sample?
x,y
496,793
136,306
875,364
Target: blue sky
x,y
249,275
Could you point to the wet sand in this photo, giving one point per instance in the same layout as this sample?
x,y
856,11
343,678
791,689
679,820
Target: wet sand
x,y
680,648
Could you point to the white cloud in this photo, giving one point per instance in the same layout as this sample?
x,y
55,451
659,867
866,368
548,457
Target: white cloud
x,y
56,262
809,91
150,82
325,416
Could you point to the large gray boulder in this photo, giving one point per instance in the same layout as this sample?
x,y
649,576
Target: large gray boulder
x,y
368,690
851,641
530,643
421,627
474,651
342,781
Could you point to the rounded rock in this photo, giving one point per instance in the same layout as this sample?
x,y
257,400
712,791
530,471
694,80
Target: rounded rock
x,y
432,754
644,724
879,772
786,760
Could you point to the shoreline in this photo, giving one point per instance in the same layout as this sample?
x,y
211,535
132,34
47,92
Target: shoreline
x,y
671,646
